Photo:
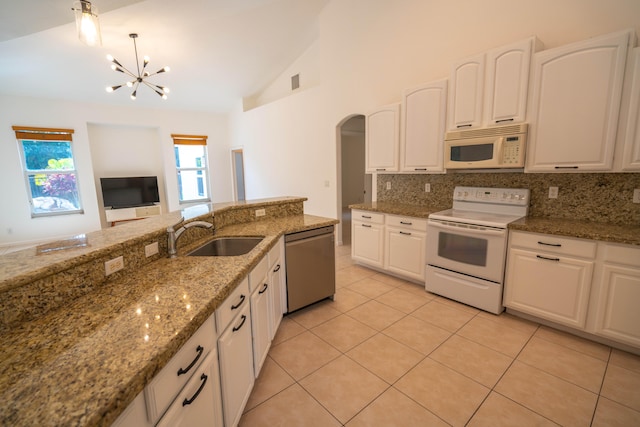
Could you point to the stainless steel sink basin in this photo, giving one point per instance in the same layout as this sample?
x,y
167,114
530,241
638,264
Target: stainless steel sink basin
x,y
227,246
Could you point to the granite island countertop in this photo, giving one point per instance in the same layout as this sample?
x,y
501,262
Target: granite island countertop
x,y
84,363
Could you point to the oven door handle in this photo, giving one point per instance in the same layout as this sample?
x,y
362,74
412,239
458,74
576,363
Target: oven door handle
x,y
467,229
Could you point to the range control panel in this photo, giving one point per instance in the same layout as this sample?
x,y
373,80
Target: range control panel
x,y
501,196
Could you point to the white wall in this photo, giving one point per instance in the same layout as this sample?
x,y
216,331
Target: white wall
x,y
369,51
16,224
118,151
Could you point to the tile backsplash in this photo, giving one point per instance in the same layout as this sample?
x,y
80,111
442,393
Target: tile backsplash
x,y
598,197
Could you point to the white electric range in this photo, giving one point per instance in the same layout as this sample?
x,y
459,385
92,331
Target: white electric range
x,y
467,245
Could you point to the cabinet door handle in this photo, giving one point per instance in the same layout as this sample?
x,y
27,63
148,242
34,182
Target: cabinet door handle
x,y
547,258
419,169
555,245
186,401
406,223
566,167
263,289
405,233
277,268
464,126
366,216
199,350
381,169
233,307
366,225
504,120
237,328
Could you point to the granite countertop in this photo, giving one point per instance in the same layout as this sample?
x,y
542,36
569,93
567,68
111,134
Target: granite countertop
x,y
415,211
84,363
625,234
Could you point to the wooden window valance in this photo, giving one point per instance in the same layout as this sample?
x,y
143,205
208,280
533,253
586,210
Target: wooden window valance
x,y
189,139
43,134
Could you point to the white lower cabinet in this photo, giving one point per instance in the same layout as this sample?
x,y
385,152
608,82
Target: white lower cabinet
x,y
135,415
367,237
551,287
587,285
199,402
391,243
261,302
616,294
405,247
278,284
236,365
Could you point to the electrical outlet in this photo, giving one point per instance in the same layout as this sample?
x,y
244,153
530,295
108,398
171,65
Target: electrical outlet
x,y
427,188
553,192
636,195
113,265
260,212
151,249
388,185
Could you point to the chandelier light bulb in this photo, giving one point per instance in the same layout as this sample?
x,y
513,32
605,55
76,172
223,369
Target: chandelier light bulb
x,y
129,84
109,57
164,96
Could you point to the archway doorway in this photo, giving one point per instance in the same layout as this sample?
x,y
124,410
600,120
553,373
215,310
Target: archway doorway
x,y
354,186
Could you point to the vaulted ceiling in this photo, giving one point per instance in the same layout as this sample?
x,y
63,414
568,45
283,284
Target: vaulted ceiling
x,y
219,51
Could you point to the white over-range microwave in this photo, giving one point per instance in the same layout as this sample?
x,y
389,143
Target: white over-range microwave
x,y
487,148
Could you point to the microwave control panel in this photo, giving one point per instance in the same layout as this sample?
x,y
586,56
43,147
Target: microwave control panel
x,y
512,151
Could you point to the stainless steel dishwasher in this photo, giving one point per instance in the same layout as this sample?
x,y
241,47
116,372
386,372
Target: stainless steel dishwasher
x,y
311,267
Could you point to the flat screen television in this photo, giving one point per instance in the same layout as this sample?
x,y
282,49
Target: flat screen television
x,y
128,192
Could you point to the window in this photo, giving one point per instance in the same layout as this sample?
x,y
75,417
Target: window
x,y
49,170
191,167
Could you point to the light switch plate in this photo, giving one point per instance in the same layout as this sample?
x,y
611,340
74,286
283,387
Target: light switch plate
x,y
636,195
260,212
427,188
553,192
388,185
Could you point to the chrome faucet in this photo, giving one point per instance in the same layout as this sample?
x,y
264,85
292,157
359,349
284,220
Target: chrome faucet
x,y
173,234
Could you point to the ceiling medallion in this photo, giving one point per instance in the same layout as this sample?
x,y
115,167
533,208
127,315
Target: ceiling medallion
x,y
141,77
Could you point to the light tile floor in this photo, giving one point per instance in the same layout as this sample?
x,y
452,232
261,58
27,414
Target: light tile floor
x,y
387,353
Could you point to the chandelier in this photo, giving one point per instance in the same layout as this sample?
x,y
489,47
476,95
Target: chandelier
x,y
142,75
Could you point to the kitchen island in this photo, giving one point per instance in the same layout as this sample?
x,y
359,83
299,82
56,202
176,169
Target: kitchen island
x,y
85,360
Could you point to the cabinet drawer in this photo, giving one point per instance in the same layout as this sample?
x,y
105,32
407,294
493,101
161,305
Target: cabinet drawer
x,y
232,305
407,222
622,254
367,216
258,274
167,384
274,253
554,244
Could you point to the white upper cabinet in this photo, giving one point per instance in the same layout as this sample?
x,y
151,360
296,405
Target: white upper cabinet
x,y
630,151
507,82
423,125
383,139
491,89
575,103
465,94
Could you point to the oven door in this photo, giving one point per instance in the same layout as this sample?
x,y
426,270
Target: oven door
x,y
473,250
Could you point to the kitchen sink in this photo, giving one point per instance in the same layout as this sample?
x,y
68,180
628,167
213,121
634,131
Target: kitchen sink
x,y
227,246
